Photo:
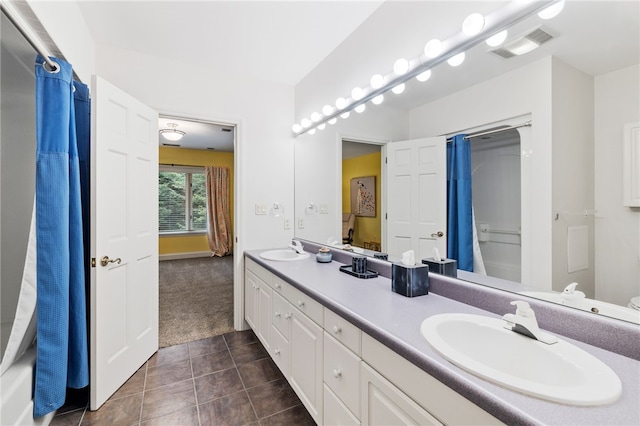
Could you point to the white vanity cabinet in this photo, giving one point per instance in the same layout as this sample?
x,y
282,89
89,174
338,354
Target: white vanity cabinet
x,y
257,302
342,375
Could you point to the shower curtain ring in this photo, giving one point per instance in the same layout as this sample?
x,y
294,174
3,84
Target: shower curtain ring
x,y
51,68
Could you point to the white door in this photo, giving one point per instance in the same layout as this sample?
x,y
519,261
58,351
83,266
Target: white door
x,y
124,221
417,197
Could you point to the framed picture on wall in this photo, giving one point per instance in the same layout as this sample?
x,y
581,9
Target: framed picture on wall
x,y
363,196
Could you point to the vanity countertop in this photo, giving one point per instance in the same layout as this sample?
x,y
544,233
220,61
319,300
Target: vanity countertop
x,y
395,320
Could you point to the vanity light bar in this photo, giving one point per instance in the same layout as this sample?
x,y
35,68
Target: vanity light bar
x,y
495,22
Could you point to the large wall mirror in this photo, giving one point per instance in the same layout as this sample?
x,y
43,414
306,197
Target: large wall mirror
x,y
547,197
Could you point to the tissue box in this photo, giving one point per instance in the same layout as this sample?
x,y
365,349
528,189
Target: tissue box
x,y
447,267
410,281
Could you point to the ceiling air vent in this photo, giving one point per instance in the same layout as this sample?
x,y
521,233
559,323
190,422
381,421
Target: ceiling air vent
x,y
226,129
524,43
170,144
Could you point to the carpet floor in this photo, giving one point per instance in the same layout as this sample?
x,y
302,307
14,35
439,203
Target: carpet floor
x,y
196,299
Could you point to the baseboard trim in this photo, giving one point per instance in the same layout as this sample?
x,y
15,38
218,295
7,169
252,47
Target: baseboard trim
x,y
189,255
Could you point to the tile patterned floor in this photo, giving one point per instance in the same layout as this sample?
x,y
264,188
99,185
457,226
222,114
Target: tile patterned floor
x,y
222,380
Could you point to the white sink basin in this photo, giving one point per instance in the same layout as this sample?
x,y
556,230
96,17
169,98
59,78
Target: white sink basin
x,y
286,255
591,305
560,372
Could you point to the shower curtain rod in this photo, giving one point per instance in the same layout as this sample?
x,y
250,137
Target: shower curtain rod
x,y
490,132
28,34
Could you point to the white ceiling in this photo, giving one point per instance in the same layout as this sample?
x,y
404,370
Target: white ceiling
x,y
283,41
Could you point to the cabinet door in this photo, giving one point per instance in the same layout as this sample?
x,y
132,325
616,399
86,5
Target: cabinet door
x,y
305,372
384,404
263,314
250,289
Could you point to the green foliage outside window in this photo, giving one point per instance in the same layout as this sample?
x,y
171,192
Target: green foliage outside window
x,y
178,209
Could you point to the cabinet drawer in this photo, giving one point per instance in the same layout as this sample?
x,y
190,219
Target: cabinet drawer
x,y
335,412
345,332
281,314
259,271
342,373
279,284
280,351
303,303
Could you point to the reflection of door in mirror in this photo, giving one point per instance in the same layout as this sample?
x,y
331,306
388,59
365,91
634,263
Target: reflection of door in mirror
x,y
495,176
361,159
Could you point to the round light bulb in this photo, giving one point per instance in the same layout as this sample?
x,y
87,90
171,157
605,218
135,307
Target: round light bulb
x,y
378,99
398,89
315,117
456,60
322,126
473,24
296,128
424,76
357,93
552,11
345,114
333,121
360,108
497,39
312,131
377,81
401,66
433,48
327,110
305,123
341,103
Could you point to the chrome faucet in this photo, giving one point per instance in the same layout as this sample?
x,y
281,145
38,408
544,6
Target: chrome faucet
x,y
297,246
524,322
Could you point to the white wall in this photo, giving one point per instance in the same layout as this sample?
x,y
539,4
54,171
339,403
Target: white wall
x,y
573,176
617,227
524,91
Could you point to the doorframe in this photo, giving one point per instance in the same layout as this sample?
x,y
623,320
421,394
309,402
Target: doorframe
x,y
238,206
340,137
527,274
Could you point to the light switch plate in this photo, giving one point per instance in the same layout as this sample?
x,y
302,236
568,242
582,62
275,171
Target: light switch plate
x,y
261,209
324,209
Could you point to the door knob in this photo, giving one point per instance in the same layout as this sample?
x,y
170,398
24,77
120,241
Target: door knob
x,y
104,260
438,234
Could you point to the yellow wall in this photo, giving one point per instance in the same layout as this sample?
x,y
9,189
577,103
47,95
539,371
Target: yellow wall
x,y
367,228
193,157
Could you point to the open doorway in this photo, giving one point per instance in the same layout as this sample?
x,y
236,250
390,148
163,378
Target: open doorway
x,y
196,278
362,193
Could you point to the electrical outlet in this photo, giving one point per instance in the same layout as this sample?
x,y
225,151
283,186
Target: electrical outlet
x,y
300,223
287,224
261,209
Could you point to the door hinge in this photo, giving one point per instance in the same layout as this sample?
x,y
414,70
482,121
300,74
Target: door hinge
x,y
386,216
93,262
386,160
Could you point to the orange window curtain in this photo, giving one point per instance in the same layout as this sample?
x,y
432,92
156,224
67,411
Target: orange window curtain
x,y
219,224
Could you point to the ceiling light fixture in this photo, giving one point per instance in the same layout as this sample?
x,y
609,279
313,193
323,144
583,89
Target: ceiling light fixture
x,y
491,27
172,134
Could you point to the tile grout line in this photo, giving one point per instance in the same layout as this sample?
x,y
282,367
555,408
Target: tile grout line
x,y
195,392
244,387
144,389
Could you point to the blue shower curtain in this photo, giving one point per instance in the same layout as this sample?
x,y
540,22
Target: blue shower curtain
x,y
459,214
62,353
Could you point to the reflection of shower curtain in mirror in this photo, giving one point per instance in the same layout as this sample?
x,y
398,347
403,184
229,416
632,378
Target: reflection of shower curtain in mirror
x,y
459,209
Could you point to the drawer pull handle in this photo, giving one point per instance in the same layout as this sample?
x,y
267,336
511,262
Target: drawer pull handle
x,y
337,373
276,351
287,316
277,314
336,329
278,286
300,303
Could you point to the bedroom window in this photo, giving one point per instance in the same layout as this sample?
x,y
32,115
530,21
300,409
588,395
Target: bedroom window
x,y
182,200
